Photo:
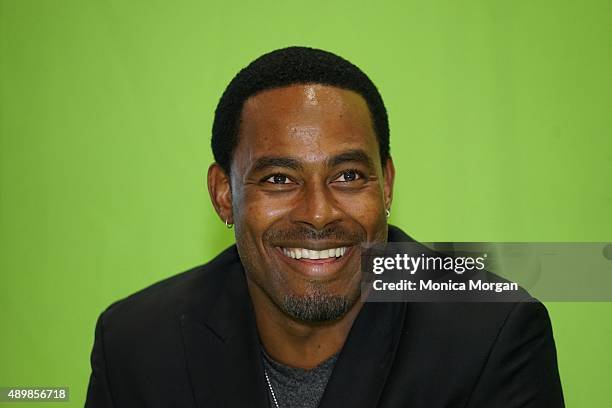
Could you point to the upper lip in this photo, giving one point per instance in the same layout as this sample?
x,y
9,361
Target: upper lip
x,y
315,246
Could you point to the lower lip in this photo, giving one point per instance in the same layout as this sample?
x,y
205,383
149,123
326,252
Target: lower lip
x,y
317,268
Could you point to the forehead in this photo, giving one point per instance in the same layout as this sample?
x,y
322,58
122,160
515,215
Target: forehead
x,y
310,121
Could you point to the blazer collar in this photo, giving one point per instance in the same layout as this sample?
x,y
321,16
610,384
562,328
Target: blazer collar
x,y
221,340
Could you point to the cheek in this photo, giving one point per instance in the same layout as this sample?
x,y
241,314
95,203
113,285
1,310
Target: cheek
x,y
266,209
368,211
366,207
259,210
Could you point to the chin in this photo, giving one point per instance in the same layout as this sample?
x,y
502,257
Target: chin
x,y
318,305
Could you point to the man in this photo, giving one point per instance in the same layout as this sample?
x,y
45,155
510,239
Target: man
x,y
303,173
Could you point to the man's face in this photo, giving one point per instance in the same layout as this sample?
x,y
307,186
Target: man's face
x,y
307,189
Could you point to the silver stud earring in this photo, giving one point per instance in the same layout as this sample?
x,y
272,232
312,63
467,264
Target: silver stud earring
x,y
228,225
388,211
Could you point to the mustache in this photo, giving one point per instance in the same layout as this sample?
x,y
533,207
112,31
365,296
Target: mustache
x,y
300,233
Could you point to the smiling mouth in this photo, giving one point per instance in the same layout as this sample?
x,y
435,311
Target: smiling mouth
x,y
316,263
304,253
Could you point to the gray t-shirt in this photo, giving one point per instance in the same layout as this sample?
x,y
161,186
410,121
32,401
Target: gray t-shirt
x,y
296,387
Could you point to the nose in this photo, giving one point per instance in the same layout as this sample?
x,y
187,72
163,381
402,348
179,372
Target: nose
x,y
316,207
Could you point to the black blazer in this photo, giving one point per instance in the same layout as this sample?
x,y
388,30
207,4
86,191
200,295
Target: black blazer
x,y
191,341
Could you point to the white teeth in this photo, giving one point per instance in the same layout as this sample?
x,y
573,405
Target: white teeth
x,y
298,253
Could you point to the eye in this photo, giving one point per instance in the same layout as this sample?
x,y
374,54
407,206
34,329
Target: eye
x,y
349,175
278,179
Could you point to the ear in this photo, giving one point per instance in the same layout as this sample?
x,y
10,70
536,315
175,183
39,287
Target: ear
x,y
220,192
389,177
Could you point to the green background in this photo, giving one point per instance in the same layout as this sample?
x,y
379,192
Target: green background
x,y
500,121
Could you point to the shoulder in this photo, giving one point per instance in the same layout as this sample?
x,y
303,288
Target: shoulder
x,y
165,300
483,354
480,322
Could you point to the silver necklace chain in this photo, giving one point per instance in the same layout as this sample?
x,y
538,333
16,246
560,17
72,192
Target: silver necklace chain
x,y
271,389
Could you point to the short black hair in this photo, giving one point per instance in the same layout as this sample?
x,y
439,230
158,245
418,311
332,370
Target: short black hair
x,y
290,66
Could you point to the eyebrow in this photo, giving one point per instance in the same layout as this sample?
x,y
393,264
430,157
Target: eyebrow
x,y
289,162
276,161
354,155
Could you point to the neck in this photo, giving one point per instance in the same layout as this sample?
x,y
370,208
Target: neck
x,y
296,343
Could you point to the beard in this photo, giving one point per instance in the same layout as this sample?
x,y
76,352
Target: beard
x,y
317,306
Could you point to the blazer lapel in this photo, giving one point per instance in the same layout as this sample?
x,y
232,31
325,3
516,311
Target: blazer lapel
x,y
222,347
364,363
